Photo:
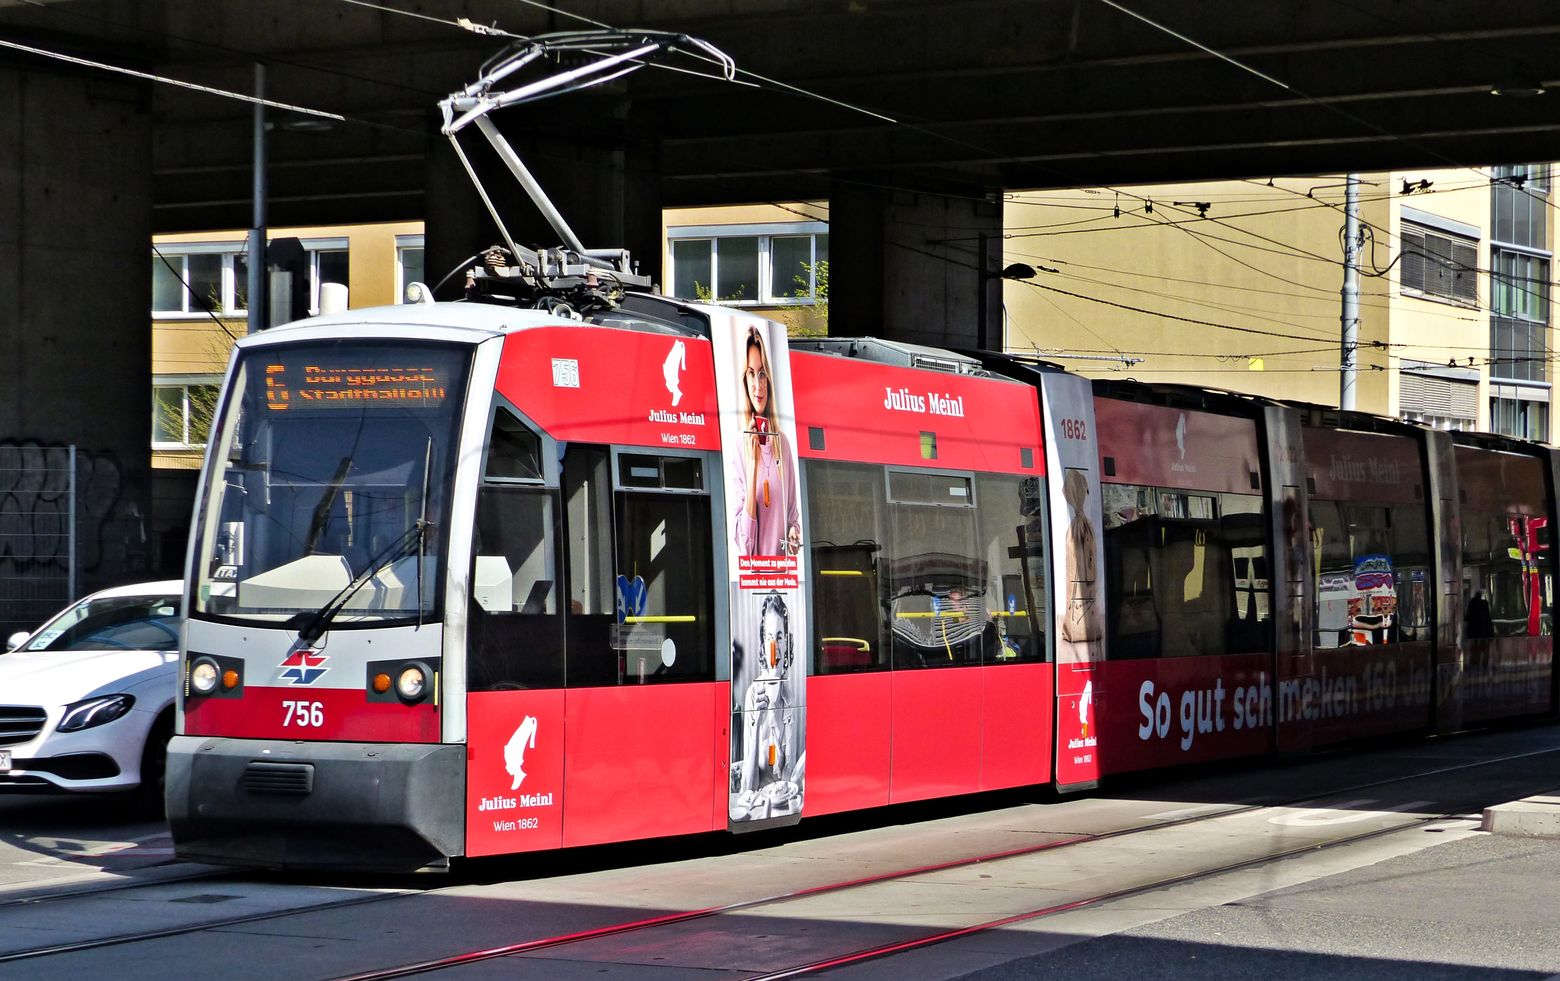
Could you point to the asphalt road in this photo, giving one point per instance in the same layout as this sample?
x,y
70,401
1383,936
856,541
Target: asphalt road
x,y
49,840
1424,895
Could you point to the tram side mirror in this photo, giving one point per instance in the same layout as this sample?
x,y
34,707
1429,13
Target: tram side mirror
x,y
15,640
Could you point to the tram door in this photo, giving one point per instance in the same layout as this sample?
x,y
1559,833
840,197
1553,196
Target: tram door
x,y
641,700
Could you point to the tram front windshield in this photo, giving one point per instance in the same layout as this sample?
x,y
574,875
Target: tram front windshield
x,y
327,491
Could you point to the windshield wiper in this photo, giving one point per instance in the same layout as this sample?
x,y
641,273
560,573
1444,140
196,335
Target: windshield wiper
x,y
327,502
311,624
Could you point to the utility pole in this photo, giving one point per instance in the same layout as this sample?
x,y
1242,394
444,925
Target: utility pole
x,y
983,297
259,287
1351,291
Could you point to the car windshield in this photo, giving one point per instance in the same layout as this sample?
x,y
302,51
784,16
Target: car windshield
x,y
119,623
329,480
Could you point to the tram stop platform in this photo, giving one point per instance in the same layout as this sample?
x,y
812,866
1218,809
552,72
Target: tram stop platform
x,y
1533,817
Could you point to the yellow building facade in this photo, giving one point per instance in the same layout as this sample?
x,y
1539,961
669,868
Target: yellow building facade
x,y
1233,285
1237,285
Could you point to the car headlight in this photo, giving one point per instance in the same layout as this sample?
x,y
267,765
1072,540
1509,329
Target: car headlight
x,y
204,675
94,712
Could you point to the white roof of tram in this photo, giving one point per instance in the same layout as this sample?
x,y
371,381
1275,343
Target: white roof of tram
x,y
449,320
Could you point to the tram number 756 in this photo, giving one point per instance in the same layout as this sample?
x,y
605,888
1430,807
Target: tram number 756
x,y
307,715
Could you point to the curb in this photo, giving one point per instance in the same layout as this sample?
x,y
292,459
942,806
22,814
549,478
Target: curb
x,y
1533,817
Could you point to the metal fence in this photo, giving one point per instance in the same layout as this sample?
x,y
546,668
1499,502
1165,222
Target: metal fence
x,y
38,554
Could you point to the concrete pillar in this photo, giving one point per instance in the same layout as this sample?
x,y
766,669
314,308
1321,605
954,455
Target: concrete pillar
x,y
75,336
603,178
905,265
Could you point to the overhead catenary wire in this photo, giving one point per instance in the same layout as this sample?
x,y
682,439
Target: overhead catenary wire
x,y
1321,103
1331,314
165,80
493,30
306,110
467,25
1032,284
1534,285
69,10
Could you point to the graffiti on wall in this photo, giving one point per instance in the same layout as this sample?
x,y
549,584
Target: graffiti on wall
x,y
35,526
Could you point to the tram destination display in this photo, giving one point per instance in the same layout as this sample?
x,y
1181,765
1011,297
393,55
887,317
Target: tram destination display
x,y
324,386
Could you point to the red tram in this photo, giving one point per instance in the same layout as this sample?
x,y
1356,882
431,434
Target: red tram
x,y
471,580
569,563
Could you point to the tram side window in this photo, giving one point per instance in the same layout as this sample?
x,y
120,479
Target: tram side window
x,y
664,580
1507,576
845,515
1011,543
935,580
515,632
587,495
1131,533
1186,573
640,587
514,451
1243,532
1371,565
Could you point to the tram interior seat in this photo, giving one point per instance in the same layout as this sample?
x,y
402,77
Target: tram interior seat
x,y
499,590
539,599
846,653
534,580
493,584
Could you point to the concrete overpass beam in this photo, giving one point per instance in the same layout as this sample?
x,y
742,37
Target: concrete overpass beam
x,y
904,262
75,302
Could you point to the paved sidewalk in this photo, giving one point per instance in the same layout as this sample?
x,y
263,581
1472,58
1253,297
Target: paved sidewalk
x,y
1478,905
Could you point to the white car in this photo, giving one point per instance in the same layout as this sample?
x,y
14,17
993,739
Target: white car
x,y
86,701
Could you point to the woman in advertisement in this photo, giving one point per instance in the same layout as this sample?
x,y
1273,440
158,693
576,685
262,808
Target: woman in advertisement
x,y
768,512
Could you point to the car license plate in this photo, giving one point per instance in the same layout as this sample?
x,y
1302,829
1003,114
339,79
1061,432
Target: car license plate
x,y
5,760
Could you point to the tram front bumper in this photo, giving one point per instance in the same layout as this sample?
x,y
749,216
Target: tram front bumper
x,y
293,805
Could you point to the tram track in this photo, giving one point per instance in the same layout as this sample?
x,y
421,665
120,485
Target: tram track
x,y
748,905
143,936
942,936
45,895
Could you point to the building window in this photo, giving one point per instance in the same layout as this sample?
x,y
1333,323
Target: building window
x,y
1439,396
1532,177
1439,264
1519,417
769,265
181,414
1520,286
1519,315
194,281
408,264
327,264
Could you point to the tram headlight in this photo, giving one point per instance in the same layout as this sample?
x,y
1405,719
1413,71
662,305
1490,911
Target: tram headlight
x,y
412,682
204,676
